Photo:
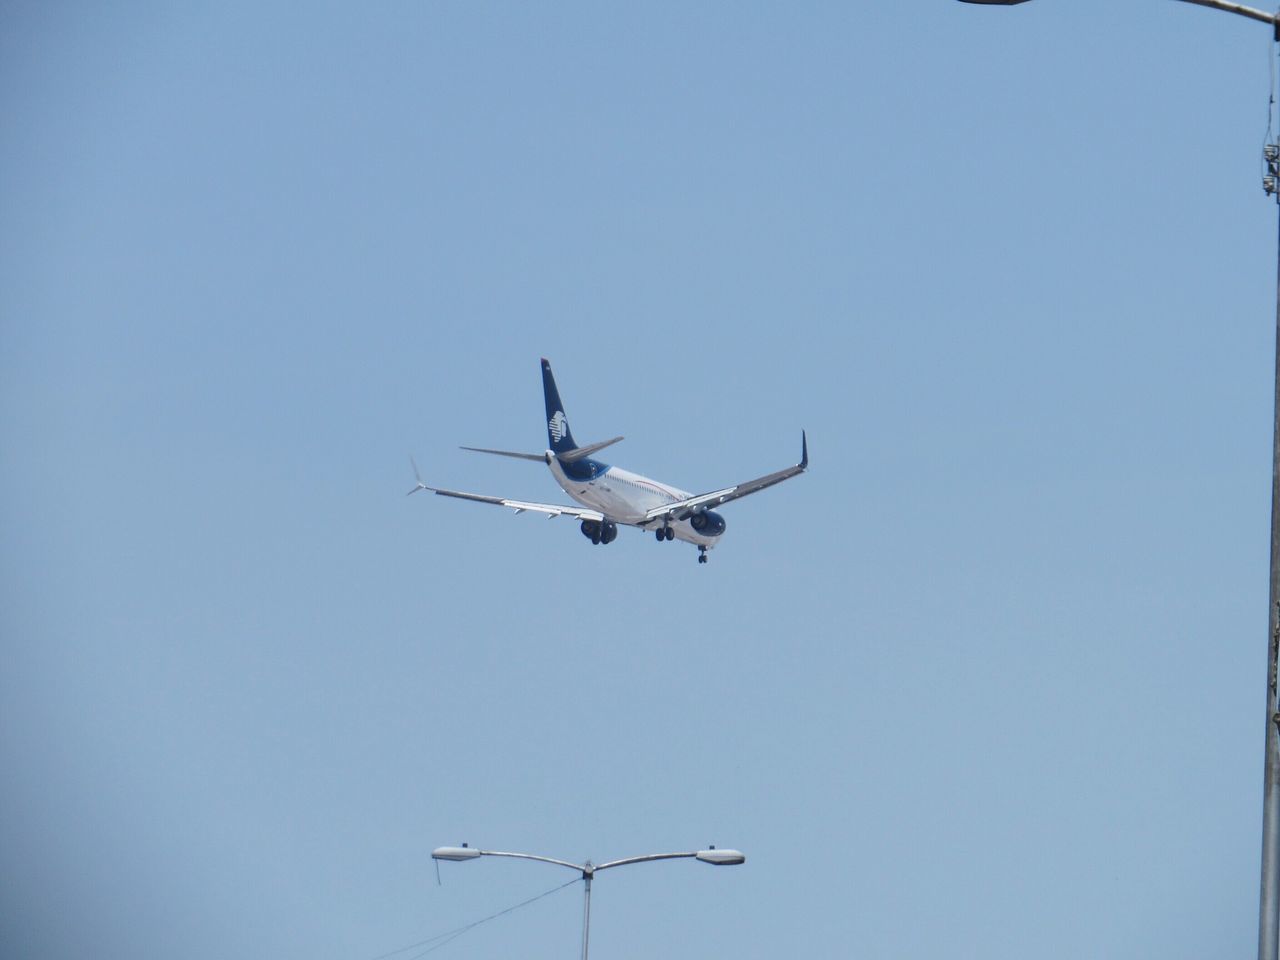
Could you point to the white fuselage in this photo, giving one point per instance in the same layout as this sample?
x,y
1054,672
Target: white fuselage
x,y
627,497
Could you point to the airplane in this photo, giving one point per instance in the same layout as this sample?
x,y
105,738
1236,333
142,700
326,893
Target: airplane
x,y
611,496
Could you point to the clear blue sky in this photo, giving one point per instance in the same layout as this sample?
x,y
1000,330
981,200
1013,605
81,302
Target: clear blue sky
x,y
987,682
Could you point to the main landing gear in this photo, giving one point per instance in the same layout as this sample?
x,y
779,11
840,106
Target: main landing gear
x,y
702,553
600,532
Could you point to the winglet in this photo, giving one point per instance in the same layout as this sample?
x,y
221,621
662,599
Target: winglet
x,y
804,451
417,476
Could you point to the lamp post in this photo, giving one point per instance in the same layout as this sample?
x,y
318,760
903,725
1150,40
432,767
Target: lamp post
x,y
717,858
1269,888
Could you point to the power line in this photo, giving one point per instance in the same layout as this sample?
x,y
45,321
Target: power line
x,y
441,939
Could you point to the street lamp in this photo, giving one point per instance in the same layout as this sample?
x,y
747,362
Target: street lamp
x,y
1269,893
717,858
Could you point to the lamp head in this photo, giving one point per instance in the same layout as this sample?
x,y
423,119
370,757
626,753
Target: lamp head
x,y
721,858
454,853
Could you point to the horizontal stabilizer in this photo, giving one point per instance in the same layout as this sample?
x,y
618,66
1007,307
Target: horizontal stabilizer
x,y
539,457
580,453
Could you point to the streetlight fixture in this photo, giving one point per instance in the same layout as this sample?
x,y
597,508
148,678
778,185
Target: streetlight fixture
x,y
717,858
1269,893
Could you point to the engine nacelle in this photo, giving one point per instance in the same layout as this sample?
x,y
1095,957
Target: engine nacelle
x,y
708,523
600,531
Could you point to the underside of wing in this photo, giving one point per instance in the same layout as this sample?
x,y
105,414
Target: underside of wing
x,y
681,509
519,506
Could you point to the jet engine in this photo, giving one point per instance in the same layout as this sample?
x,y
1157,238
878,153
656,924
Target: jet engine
x,y
600,531
708,523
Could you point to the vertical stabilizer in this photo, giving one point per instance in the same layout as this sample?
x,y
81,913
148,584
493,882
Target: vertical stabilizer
x,y
558,433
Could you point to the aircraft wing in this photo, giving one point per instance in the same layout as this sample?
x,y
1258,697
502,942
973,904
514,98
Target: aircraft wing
x,y
519,506
682,509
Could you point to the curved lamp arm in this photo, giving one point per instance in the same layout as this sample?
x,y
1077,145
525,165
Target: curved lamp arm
x,y
580,867
1237,8
644,859
718,858
471,853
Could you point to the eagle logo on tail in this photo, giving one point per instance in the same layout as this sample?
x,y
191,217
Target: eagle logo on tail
x,y
558,425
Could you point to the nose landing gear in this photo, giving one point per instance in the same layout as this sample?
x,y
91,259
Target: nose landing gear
x,y
702,553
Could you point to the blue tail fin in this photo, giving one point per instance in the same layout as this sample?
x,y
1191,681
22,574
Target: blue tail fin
x,y
558,433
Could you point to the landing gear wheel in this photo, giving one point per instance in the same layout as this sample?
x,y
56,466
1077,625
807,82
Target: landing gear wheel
x,y
702,554
661,534
595,539
669,532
